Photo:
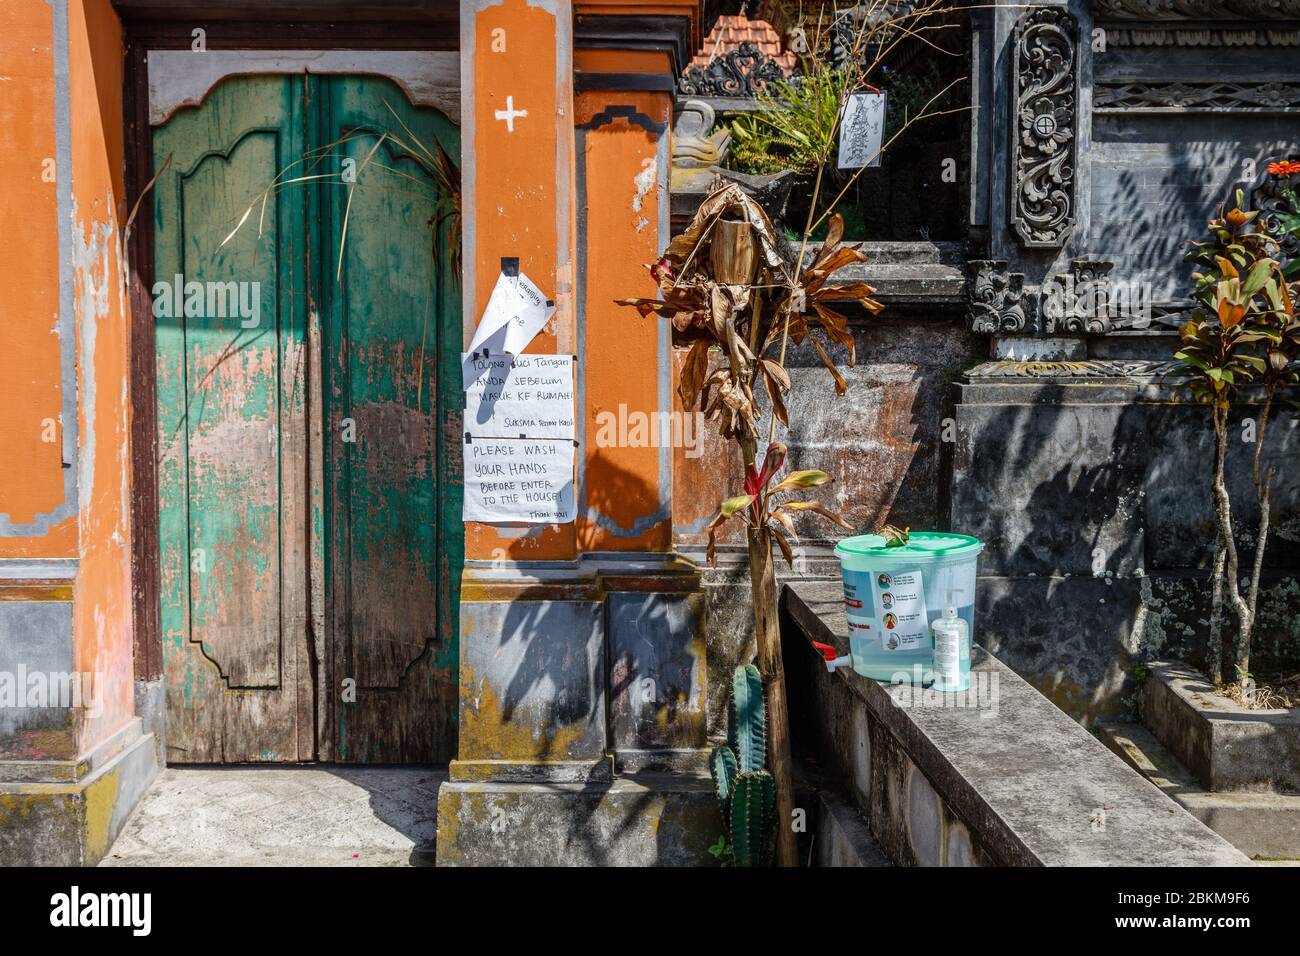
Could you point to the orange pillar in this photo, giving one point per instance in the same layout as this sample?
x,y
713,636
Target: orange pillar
x,y
531,645
517,181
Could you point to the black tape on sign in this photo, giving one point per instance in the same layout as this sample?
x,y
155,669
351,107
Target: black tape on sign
x,y
510,266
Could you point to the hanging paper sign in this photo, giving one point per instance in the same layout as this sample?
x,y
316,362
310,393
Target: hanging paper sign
x,y
862,130
516,311
521,396
519,480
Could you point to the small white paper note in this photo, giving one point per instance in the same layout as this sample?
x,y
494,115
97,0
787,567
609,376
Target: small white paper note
x,y
519,480
862,130
904,625
515,313
522,396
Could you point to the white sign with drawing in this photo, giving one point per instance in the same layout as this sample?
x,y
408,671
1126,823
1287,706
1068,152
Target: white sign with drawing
x,y
515,313
521,396
862,130
519,480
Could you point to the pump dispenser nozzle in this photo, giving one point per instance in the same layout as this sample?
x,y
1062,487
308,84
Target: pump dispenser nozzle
x,y
951,609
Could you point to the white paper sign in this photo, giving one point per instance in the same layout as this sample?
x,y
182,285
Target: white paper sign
x,y
862,130
524,396
519,480
515,313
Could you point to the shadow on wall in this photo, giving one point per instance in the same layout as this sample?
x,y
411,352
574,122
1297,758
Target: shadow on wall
x,y
1099,532
1153,187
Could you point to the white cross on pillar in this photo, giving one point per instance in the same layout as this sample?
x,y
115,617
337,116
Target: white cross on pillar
x,y
509,113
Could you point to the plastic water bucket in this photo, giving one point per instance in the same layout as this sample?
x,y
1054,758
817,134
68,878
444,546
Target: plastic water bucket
x,y
892,594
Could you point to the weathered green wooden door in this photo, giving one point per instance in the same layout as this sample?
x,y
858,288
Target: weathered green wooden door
x,y
309,511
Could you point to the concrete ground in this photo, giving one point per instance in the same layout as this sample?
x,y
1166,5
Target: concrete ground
x,y
284,816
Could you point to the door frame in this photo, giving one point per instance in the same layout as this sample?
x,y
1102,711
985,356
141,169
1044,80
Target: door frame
x,y
148,25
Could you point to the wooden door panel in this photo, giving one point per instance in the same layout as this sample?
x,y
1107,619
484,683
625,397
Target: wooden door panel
x,y
387,307
231,432
309,509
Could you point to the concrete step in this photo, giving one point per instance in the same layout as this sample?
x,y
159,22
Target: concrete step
x,y
1264,826
913,253
644,819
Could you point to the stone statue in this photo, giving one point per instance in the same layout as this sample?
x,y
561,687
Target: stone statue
x,y
696,146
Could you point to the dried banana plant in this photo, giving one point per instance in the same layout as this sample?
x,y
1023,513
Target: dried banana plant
x,y
728,284
735,296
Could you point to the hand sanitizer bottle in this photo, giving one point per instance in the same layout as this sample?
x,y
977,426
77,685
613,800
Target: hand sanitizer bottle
x,y
951,649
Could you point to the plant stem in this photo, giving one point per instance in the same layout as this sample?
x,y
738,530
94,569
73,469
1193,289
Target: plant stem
x,y
767,639
1264,493
1214,650
1223,512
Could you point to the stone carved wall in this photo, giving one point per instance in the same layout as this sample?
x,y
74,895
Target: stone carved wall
x,y
1079,302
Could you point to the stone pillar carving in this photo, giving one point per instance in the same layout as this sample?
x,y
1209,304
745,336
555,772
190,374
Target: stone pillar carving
x,y
996,298
1079,302
1044,63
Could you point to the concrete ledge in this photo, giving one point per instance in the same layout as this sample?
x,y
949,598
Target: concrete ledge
x,y
74,823
1001,776
600,770
1261,825
641,820
1225,745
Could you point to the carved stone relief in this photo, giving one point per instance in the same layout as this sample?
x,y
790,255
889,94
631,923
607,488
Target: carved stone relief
x,y
1197,97
1079,302
1043,131
1196,9
996,298
1269,197
739,72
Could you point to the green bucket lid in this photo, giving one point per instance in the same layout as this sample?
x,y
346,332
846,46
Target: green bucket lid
x,y
920,544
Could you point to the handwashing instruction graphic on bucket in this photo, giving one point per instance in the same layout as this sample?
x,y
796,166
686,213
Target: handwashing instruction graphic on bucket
x,y
892,594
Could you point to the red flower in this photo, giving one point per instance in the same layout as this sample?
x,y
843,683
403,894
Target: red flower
x,y
1285,167
756,481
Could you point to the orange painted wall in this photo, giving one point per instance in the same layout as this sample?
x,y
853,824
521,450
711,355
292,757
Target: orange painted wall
x,y
31,263
522,203
622,209
621,61
102,617
31,472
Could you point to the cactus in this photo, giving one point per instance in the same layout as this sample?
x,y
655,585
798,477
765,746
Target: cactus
x,y
746,791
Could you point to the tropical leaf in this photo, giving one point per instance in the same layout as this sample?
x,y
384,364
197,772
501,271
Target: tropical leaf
x,y
809,478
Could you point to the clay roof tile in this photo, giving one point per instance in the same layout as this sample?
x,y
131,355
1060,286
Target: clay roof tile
x,y
731,31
